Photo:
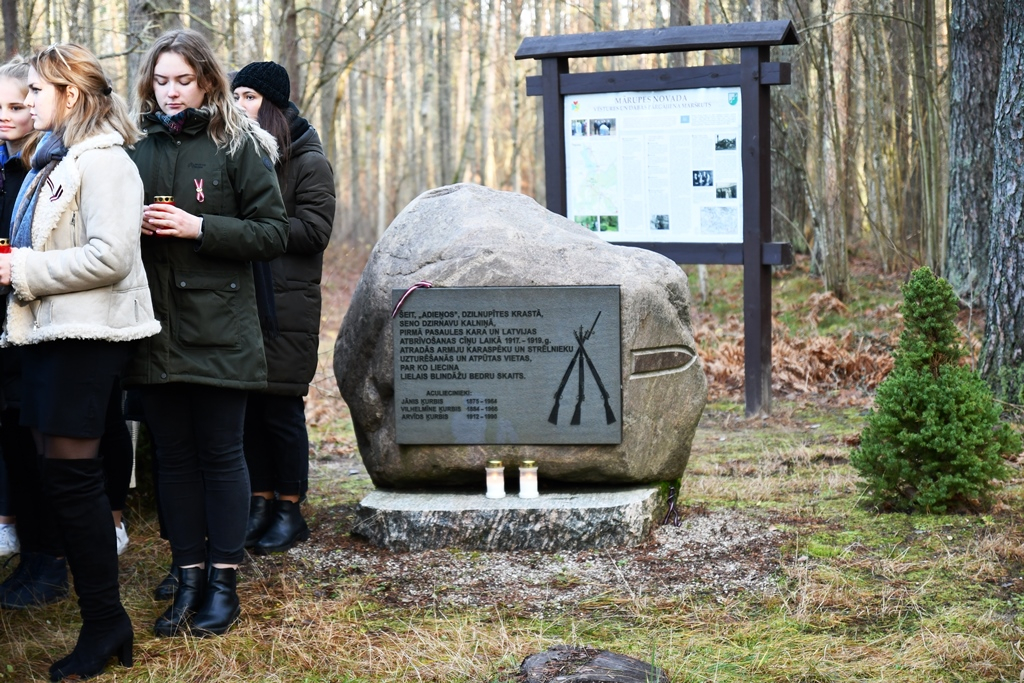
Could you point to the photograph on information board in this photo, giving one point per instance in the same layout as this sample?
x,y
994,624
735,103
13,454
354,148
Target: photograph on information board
x,y
659,166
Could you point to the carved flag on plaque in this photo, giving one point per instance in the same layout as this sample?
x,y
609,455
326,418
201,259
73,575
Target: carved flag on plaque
x,y
508,365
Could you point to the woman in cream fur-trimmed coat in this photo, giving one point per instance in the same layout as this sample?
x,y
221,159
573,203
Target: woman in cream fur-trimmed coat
x,y
79,305
83,278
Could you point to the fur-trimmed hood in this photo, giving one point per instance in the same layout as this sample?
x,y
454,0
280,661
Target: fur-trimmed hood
x,y
63,185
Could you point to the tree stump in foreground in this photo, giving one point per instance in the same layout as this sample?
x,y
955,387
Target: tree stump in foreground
x,y
566,664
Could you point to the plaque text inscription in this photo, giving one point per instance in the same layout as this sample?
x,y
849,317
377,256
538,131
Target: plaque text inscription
x,y
508,365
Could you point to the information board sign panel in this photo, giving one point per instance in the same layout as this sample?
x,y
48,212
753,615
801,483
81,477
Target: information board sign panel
x,y
508,365
656,166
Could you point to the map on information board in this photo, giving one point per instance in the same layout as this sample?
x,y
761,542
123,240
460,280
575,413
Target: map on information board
x,y
657,166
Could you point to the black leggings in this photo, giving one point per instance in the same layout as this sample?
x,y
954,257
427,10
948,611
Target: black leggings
x,y
276,444
204,485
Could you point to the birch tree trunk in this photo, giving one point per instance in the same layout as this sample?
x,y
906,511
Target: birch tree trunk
x,y
488,171
385,95
1003,354
414,159
976,46
444,94
830,241
471,119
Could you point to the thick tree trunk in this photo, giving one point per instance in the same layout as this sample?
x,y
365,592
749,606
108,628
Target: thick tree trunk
x,y
288,52
1003,354
976,46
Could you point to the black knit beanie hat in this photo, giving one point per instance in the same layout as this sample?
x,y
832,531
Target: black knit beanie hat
x,y
268,79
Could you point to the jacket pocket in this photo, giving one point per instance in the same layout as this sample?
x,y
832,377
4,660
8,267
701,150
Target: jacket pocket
x,y
206,308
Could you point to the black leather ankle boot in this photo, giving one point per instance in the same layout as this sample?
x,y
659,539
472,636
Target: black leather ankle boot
x,y
187,600
39,579
166,589
287,528
220,607
260,518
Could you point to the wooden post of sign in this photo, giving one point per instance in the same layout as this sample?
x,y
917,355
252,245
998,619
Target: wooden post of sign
x,y
552,69
753,76
757,229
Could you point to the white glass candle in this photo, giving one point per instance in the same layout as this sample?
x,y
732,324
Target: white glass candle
x,y
495,479
528,479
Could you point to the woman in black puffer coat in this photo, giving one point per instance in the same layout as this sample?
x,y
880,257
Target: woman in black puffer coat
x,y
276,442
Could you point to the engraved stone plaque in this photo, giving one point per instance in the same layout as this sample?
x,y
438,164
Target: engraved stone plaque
x,y
508,365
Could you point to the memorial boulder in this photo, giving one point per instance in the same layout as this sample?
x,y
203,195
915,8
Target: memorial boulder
x,y
464,236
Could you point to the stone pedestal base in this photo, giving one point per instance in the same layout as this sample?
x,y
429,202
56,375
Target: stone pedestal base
x,y
577,520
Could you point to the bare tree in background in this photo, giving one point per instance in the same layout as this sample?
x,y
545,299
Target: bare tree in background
x,y
147,19
10,14
201,18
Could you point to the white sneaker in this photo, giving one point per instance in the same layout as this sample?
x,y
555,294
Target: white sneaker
x,y
8,540
122,537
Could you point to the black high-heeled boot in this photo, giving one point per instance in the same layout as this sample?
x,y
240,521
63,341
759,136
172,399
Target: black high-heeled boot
x,y
187,600
83,517
220,607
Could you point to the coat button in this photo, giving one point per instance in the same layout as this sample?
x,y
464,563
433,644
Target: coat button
x,y
178,143
182,283
233,285
163,375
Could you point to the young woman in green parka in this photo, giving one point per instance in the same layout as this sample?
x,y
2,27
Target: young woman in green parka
x,y
213,207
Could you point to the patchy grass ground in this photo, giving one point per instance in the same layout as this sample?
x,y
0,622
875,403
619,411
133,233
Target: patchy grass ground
x,y
777,571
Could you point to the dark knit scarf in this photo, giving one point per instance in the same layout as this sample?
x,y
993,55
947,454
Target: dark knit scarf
x,y
49,153
296,124
173,123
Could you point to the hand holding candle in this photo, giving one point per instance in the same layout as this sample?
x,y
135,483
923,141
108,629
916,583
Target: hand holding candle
x,y
163,219
5,262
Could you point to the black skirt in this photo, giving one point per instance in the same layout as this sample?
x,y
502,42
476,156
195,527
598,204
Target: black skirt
x,y
67,383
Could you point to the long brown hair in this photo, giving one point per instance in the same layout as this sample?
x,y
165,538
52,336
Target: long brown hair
x,y
273,120
229,127
17,70
98,110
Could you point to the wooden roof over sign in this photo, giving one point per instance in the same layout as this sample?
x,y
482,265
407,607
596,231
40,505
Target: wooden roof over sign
x,y
660,40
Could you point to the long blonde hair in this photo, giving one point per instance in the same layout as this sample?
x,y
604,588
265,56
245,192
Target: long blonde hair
x,y
229,127
99,108
17,70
